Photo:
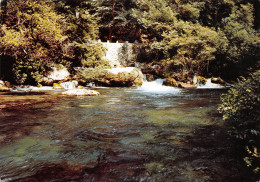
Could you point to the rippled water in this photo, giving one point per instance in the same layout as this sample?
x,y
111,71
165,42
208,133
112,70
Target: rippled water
x,y
123,135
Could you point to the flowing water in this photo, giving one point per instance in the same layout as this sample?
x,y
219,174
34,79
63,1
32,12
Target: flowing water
x,y
126,134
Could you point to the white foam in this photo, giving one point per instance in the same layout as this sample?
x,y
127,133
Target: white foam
x,y
43,88
70,84
209,85
158,87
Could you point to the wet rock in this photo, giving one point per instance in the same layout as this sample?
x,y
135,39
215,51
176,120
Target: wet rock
x,y
81,92
200,80
3,86
150,77
186,85
8,84
170,82
57,86
128,76
116,77
217,80
46,81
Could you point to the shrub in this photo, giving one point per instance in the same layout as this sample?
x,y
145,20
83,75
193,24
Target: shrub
x,y
240,107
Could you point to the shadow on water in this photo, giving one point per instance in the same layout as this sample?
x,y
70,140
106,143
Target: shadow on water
x,y
123,135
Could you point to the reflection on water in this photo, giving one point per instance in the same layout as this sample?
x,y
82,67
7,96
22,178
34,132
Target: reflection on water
x,y
123,135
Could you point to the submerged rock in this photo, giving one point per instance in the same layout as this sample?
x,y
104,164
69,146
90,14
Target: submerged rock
x,y
81,92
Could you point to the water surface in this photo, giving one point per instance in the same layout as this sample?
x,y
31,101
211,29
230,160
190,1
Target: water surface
x,y
124,135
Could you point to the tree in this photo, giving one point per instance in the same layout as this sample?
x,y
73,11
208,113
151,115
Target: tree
x,y
32,33
201,37
37,35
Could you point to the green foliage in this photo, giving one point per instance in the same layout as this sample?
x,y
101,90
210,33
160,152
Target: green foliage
x,y
240,106
243,40
39,35
91,54
201,37
115,19
32,34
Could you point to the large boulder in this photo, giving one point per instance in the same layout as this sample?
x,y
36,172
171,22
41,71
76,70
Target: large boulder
x,y
81,92
186,85
123,77
173,83
4,86
115,77
170,82
200,80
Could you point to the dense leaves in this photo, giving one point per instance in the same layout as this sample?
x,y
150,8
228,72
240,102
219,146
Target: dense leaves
x,y
201,37
240,107
36,35
32,34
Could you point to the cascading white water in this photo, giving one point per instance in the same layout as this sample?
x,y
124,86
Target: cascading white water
x,y
157,86
113,53
209,85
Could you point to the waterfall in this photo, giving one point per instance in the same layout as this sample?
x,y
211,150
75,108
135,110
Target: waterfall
x,y
113,54
157,86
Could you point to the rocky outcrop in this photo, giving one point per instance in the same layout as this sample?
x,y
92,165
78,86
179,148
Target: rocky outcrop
x,y
4,86
81,92
172,82
123,77
56,75
217,80
115,77
150,77
186,85
199,80
57,86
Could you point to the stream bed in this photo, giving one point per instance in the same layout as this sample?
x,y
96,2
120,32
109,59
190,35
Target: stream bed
x,y
126,134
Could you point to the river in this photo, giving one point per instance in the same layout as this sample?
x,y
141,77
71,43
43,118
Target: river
x,y
126,134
